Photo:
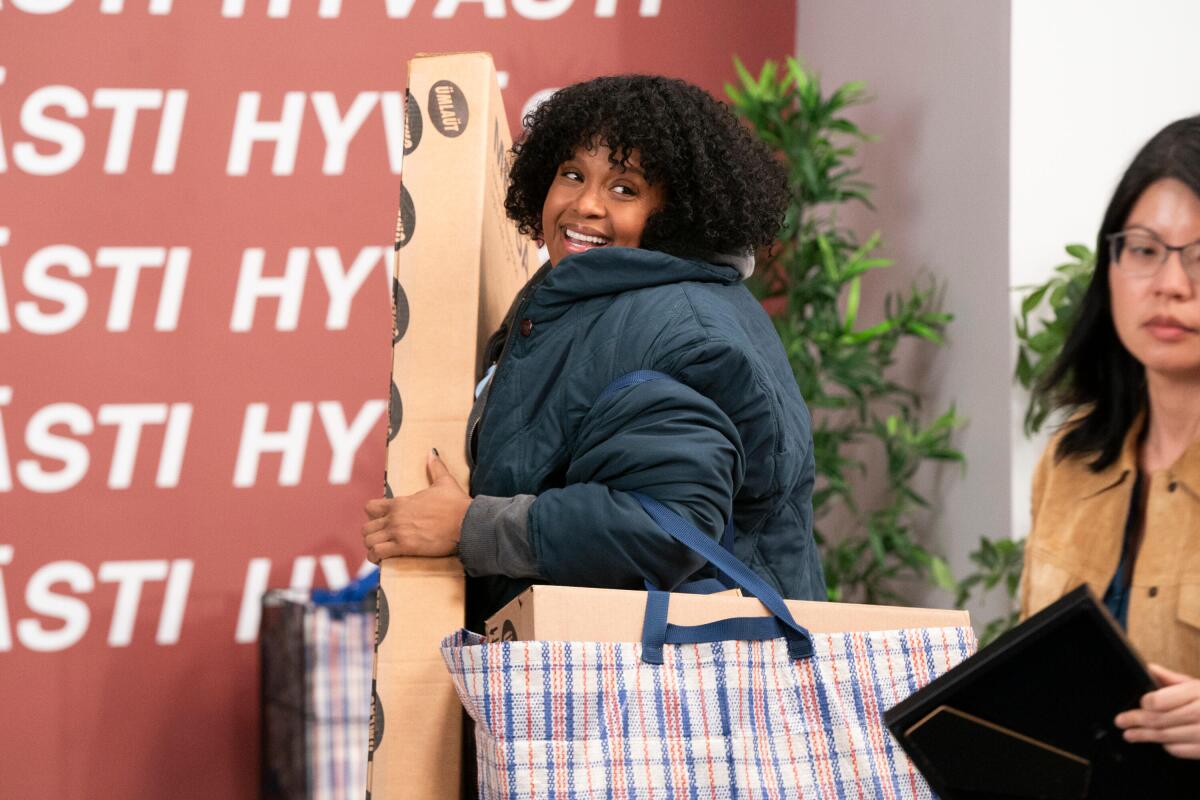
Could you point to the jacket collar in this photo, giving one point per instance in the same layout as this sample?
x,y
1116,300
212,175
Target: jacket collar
x,y
1185,470
612,270
1093,483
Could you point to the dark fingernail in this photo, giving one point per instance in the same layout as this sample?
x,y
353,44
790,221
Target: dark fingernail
x,y
435,452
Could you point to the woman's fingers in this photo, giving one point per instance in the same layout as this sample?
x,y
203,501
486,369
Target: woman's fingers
x,y
1156,719
1186,734
1190,750
1169,716
378,507
375,525
1167,677
1169,698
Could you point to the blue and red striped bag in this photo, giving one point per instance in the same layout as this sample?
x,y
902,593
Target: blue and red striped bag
x,y
754,707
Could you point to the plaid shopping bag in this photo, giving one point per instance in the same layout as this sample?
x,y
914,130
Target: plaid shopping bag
x,y
317,655
752,707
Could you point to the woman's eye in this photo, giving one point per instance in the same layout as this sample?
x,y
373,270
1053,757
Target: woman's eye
x,y
626,190
570,175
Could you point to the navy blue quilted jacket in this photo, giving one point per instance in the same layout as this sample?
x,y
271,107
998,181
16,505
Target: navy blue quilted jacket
x,y
731,432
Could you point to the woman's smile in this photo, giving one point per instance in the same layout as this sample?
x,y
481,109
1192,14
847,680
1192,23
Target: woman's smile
x,y
578,239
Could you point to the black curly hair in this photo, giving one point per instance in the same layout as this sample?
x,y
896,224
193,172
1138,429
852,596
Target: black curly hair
x,y
724,191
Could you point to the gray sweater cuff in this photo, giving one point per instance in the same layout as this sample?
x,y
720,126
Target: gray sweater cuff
x,y
495,537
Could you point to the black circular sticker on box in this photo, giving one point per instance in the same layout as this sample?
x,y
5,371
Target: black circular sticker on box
x,y
382,618
400,309
448,108
412,123
376,722
395,412
406,220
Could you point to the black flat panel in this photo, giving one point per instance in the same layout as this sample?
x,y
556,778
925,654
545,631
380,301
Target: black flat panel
x,y
1057,680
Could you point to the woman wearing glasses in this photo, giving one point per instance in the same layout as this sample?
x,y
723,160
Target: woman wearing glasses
x,y
1116,495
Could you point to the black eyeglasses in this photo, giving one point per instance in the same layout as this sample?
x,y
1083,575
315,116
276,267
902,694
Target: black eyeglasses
x,y
1141,254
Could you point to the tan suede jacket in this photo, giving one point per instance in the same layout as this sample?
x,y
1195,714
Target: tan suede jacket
x,y
1078,526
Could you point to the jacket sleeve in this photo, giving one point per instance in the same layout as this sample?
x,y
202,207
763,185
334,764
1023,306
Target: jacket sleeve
x,y
1044,465
660,438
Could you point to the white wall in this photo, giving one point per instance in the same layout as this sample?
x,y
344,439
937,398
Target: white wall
x,y
1092,80
939,71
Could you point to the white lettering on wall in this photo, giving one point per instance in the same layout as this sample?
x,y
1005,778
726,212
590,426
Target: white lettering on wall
x,y
647,8
40,283
6,483
128,263
345,439
57,145
541,9
341,284
125,104
290,443
117,6
129,418
36,123
170,461
130,576
304,569
3,148
248,129
5,321
340,129
41,6
258,572
40,441
43,279
391,105
6,557
332,9
43,441
174,602
45,598
445,9
289,289
41,599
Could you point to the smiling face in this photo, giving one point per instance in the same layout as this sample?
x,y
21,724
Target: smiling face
x,y
1157,316
593,203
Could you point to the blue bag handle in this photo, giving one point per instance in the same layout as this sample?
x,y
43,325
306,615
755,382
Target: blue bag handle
x,y
656,631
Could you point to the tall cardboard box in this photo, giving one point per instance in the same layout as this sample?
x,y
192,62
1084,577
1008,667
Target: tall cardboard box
x,y
459,263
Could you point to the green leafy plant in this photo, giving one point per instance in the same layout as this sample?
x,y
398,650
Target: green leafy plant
x,y
1040,337
812,286
1047,313
997,564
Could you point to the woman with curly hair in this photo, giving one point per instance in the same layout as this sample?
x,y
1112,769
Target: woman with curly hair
x,y
650,198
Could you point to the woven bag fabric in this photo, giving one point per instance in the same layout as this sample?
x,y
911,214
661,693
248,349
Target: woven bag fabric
x,y
340,649
317,660
714,721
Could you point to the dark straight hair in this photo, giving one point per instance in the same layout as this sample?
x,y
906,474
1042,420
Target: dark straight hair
x,y
1094,374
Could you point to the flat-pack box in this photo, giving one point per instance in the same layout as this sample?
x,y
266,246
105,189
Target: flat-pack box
x,y
565,613
459,264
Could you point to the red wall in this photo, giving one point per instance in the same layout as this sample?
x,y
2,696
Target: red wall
x,y
128,539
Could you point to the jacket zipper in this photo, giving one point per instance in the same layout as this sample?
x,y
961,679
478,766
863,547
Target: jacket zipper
x,y
522,301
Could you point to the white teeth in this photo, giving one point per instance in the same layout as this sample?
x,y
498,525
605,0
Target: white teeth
x,y
583,237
